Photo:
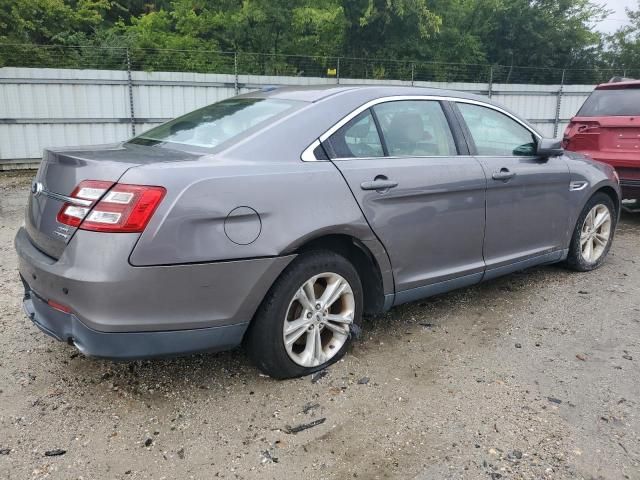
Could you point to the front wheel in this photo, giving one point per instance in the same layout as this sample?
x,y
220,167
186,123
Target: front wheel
x,y
593,234
305,323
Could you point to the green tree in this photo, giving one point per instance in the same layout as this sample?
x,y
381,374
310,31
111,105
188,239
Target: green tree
x,y
279,36
465,26
50,21
624,53
387,28
545,33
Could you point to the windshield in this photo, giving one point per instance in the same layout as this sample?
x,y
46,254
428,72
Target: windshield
x,y
208,127
618,102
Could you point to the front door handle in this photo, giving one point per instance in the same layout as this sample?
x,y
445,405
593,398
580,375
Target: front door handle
x,y
380,184
504,174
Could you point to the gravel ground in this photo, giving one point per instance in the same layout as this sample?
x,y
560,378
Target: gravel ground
x,y
532,376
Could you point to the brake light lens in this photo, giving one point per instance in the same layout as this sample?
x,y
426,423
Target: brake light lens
x,y
125,208
89,190
114,208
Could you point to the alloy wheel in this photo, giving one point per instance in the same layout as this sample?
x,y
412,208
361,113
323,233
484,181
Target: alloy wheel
x,y
318,320
595,233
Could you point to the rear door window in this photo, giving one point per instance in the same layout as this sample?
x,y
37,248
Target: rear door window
x,y
415,128
358,138
613,103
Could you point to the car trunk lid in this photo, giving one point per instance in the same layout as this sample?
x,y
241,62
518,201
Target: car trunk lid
x,y
60,172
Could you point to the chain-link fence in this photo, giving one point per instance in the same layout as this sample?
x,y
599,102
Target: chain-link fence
x,y
81,95
244,63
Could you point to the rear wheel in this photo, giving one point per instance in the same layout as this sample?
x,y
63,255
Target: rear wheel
x,y
593,234
305,323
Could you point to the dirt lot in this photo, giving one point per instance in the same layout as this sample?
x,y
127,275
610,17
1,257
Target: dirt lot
x,y
535,375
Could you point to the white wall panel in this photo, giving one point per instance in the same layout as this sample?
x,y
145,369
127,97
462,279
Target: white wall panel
x,y
21,141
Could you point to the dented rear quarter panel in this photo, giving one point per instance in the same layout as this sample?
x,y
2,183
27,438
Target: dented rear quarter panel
x,y
296,202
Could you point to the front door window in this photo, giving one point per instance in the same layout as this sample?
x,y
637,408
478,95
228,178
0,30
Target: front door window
x,y
495,134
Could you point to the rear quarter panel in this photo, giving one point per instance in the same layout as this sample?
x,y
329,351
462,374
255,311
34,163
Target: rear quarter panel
x,y
294,202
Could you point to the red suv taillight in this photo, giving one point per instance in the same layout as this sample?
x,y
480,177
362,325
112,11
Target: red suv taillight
x,y
113,208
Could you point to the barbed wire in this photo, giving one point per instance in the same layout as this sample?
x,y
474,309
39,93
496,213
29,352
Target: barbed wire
x,y
273,64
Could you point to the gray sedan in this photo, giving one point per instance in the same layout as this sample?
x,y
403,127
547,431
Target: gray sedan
x,y
277,219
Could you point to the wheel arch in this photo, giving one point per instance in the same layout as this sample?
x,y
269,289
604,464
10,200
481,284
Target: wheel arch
x,y
602,187
363,259
575,258
611,193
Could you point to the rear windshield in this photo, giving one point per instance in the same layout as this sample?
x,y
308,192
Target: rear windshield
x,y
619,102
208,127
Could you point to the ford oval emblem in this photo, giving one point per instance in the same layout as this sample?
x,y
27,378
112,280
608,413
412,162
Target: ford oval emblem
x,y
36,188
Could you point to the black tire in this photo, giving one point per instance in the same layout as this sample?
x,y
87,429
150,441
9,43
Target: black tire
x,y
575,259
264,339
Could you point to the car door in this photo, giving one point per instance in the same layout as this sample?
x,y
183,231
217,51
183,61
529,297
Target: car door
x,y
423,200
527,196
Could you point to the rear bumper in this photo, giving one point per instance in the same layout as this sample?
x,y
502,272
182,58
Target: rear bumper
x,y
614,158
128,345
121,311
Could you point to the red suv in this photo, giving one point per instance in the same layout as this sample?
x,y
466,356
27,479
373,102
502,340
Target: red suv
x,y
607,128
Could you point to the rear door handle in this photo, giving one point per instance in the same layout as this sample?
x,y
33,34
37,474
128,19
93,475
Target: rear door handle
x,y
379,184
504,174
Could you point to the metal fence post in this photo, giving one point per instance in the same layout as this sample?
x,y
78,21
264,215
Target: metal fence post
x,y
130,84
338,71
490,81
236,88
558,105
413,73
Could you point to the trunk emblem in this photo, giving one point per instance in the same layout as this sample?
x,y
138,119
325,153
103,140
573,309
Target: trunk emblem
x,y
36,188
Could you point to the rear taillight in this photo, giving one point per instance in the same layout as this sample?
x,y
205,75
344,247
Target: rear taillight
x,y
122,208
88,190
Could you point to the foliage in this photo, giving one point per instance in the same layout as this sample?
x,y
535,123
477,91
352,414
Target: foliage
x,y
625,45
191,34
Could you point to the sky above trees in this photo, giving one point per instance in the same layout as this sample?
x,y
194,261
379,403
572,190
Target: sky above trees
x,y
618,17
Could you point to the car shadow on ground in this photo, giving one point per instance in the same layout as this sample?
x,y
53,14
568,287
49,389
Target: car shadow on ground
x,y
219,371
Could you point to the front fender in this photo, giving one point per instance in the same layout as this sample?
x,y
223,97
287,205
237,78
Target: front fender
x,y
597,176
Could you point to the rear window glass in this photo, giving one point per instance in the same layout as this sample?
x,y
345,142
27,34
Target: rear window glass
x,y
357,139
619,102
208,127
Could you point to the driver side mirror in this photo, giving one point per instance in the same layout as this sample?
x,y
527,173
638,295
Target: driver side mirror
x,y
548,147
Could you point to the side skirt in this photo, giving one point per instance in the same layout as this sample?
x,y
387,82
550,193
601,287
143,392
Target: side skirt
x,y
414,294
418,293
551,257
